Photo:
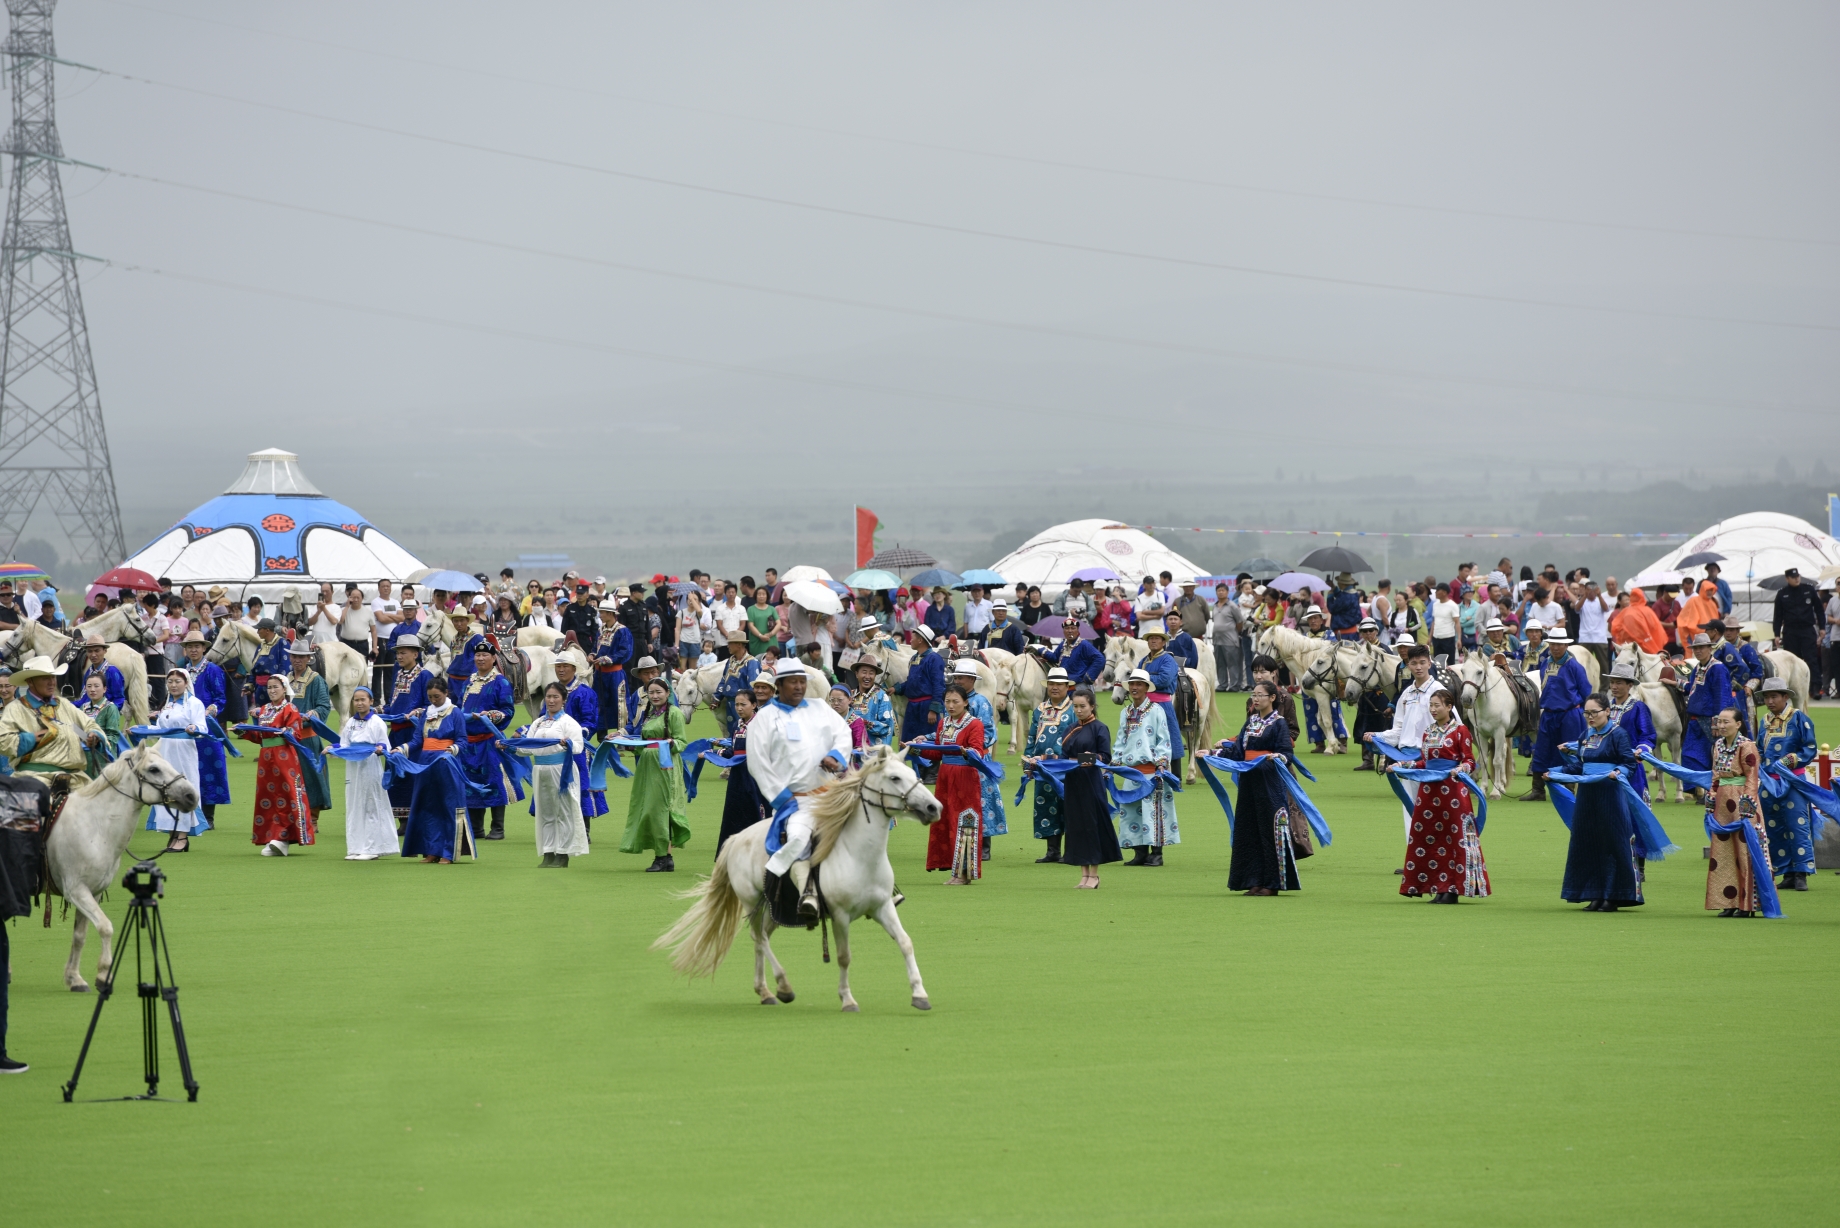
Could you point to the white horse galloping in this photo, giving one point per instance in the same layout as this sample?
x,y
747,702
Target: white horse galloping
x,y
853,817
85,847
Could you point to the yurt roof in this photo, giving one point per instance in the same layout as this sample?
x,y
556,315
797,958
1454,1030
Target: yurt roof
x,y
1052,556
1756,546
273,526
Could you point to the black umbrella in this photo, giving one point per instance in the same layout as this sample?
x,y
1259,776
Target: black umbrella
x,y
1699,560
1260,566
1334,558
1774,583
900,558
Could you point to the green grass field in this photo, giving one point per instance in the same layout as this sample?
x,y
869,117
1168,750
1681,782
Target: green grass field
x,y
389,1043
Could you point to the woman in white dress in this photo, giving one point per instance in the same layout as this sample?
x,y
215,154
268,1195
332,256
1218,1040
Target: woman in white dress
x,y
370,825
185,711
561,833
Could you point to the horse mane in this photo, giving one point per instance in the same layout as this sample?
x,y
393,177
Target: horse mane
x,y
836,804
1286,639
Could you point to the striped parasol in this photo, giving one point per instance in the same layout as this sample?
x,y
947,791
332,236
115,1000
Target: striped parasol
x,y
22,571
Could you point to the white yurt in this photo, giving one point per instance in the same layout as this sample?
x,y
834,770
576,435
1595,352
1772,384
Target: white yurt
x,y
270,531
1757,546
1052,556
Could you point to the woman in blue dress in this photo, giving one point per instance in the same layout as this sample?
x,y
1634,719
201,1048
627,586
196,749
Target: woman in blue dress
x,y
1600,865
1052,720
487,695
1786,737
1264,862
1090,839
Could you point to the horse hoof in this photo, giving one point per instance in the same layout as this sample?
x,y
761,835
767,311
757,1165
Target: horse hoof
x,y
921,1004
786,995
850,1008
769,1001
79,987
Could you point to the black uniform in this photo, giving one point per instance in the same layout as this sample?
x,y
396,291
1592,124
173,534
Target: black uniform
x,y
1798,621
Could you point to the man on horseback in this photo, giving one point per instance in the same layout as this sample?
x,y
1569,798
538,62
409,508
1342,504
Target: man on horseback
x,y
1372,711
1344,608
1165,673
612,646
1083,662
1314,628
793,747
737,676
271,657
96,661
42,732
1564,686
1181,644
1006,633
1742,662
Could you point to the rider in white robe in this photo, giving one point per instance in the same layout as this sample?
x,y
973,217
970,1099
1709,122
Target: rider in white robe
x,y
183,710
792,749
370,825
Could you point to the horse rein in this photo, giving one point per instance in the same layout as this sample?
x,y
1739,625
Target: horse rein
x,y
878,799
141,782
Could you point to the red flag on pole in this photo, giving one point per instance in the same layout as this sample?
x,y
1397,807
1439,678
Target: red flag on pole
x,y
866,524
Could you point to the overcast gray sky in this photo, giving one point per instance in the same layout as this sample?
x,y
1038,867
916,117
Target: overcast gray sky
x,y
1647,119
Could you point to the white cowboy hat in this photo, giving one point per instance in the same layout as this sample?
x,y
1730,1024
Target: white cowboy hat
x,y
1558,636
763,678
1059,674
925,632
1140,675
1156,629
788,667
1495,624
574,657
608,606
966,668
1534,624
645,663
38,667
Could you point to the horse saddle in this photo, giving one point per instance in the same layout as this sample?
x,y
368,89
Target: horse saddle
x,y
1187,710
1526,701
782,896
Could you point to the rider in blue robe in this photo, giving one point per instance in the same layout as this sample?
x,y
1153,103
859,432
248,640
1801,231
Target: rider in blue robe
x,y
460,669
1708,693
1009,635
1345,609
212,687
924,690
1745,666
870,703
1788,739
1165,674
738,674
1082,660
114,688
612,656
408,693
1314,629
480,756
1564,687
1182,648
271,659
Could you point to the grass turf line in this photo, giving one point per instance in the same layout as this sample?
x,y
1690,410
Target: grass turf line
x,y
480,1044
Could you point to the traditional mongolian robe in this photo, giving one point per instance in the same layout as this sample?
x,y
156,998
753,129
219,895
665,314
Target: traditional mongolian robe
x,y
312,697
876,711
656,812
479,753
560,826
1143,742
996,820
438,798
282,811
1049,726
742,806
409,692
1708,693
182,753
1564,686
370,829
46,736
108,719
952,842
1085,812
585,707
610,679
1444,851
1734,878
1165,675
1262,853
1600,859
925,691
1788,818
737,676
1083,662
212,688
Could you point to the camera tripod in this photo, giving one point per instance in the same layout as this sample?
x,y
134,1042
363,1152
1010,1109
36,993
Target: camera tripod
x,y
143,927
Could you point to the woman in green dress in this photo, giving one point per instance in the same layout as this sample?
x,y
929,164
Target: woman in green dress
x,y
96,706
656,811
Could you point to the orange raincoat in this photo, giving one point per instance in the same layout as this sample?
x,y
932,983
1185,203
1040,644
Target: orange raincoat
x,y
1700,609
1638,624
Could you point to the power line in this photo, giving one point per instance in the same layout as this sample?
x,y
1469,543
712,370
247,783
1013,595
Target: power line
x,y
1024,159
961,318
970,231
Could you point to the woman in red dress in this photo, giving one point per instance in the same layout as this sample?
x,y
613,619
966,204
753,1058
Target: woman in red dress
x,y
1444,855
952,842
282,816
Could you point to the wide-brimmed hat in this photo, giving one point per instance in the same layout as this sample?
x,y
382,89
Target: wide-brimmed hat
x,y
866,663
38,667
788,667
406,641
1346,577
645,663
216,593
1701,640
999,605
93,639
194,636
1314,612
1775,686
573,657
1059,674
608,606
1621,673
925,632
763,678
965,668
1140,675
1368,624
737,636
1533,624
300,648
1558,635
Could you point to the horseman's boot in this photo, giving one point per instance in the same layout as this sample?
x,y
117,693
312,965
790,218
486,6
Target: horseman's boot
x,y
808,891
1156,855
1054,851
1537,793
1367,762
498,825
1140,855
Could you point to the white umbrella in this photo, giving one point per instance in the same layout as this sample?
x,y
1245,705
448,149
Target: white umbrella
x,y
814,596
804,573
1654,577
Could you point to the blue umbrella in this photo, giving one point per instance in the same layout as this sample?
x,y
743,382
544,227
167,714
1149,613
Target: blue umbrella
x,y
983,576
451,582
936,576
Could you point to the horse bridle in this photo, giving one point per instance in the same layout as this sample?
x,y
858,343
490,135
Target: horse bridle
x,y
878,798
141,782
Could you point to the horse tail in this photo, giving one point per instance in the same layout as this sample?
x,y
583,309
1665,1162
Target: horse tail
x,y
702,936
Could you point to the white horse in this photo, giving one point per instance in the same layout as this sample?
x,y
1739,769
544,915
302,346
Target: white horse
x,y
539,671
1793,670
540,637
852,818
1493,712
1028,686
85,847
38,640
695,688
1122,655
896,660
345,670
1002,664
1298,653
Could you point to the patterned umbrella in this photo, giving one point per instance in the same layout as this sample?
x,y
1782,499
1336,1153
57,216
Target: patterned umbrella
x,y
900,558
23,571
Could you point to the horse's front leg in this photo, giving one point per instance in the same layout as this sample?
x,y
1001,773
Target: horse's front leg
x,y
779,973
841,925
890,920
88,913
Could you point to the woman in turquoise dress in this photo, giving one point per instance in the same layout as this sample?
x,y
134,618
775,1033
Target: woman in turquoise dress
x,y
1049,724
1786,738
1143,743
996,823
